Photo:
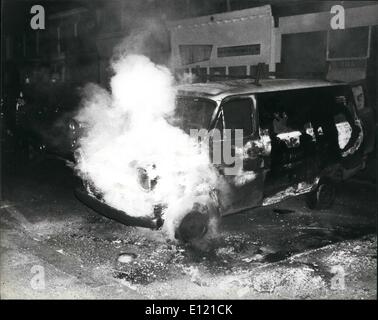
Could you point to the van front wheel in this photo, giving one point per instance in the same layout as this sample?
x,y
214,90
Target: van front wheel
x,y
323,196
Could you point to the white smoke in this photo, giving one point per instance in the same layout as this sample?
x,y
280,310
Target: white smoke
x,y
127,129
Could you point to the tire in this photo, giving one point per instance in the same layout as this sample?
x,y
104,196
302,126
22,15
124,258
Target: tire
x,y
323,196
193,227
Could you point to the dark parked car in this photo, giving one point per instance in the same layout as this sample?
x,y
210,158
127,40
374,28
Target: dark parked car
x,y
44,120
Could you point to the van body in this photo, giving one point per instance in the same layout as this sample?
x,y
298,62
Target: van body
x,y
323,139
299,136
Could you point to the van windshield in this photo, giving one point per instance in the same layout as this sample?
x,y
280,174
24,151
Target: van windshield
x,y
193,113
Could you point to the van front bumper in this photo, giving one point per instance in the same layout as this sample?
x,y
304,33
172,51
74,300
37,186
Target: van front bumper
x,y
102,208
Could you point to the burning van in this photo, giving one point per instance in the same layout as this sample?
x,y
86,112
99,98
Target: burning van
x,y
220,148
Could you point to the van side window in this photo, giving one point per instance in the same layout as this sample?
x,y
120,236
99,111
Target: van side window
x,y
238,115
283,111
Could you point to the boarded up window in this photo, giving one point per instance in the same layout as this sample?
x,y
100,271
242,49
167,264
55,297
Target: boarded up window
x,y
181,70
194,53
217,71
199,71
237,71
304,55
246,50
348,43
263,73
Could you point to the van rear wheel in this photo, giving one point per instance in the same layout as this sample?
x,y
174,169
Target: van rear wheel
x,y
323,196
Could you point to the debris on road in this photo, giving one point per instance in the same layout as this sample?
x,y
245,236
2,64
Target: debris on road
x,y
126,257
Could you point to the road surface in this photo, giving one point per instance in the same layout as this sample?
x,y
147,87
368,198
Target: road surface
x,y
53,246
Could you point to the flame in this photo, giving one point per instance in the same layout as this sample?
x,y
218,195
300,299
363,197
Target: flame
x,y
127,129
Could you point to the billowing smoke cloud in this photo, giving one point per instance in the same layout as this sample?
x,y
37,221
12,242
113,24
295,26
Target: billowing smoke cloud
x,y
127,129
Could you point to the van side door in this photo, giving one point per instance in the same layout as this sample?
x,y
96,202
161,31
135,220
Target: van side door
x,y
243,178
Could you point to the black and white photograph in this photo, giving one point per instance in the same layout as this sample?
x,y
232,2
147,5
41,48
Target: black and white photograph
x,y
190,150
